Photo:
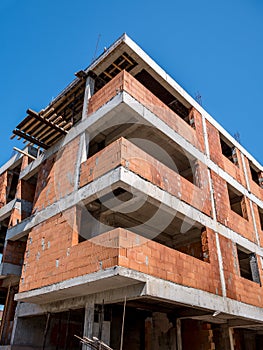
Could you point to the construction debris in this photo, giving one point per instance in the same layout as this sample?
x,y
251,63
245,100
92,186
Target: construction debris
x,y
94,343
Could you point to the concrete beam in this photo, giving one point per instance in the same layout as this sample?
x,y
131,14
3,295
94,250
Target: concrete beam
x,y
125,178
6,210
10,269
103,184
107,282
173,204
143,115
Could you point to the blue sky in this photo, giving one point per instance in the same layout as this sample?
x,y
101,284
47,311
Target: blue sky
x,y
211,47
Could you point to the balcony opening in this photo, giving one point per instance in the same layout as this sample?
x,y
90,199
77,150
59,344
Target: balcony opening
x,y
228,150
147,80
123,62
12,182
248,266
28,190
237,201
8,306
260,213
3,230
50,330
255,174
154,143
129,209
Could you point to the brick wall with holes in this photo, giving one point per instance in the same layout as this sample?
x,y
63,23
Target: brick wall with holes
x,y
3,186
255,187
25,192
201,335
259,221
14,252
226,216
56,176
235,170
239,288
126,82
122,152
52,256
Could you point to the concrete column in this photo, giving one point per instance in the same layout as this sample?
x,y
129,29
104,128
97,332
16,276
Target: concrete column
x,y
179,335
88,322
225,338
231,338
89,90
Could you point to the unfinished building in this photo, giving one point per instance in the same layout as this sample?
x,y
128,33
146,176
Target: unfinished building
x,y
131,216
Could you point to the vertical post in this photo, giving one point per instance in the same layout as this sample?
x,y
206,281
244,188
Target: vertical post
x,y
179,334
254,268
46,331
231,338
123,320
59,332
101,320
89,90
67,331
88,322
4,317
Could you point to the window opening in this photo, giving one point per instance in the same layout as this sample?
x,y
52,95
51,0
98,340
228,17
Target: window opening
x,y
237,202
248,266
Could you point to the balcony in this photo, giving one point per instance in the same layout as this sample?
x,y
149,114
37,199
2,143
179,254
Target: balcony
x,y
124,153
96,259
126,82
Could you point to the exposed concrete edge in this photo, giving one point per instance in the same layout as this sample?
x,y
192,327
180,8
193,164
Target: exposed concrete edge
x,y
132,291
10,269
73,133
149,61
165,290
160,289
91,189
186,145
10,162
76,282
90,67
147,115
173,203
161,72
6,210
123,175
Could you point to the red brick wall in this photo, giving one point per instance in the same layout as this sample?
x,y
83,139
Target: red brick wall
x,y
122,152
24,191
236,171
3,185
228,217
56,176
214,144
254,187
258,223
238,288
53,242
125,81
14,252
198,126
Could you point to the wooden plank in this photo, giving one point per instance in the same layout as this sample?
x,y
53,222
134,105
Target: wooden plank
x,y
30,139
45,121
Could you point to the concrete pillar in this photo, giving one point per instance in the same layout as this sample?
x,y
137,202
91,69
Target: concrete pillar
x,y
231,338
88,322
254,267
89,90
179,335
225,338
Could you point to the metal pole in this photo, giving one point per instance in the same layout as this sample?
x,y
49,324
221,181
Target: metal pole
x,y
123,319
46,330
